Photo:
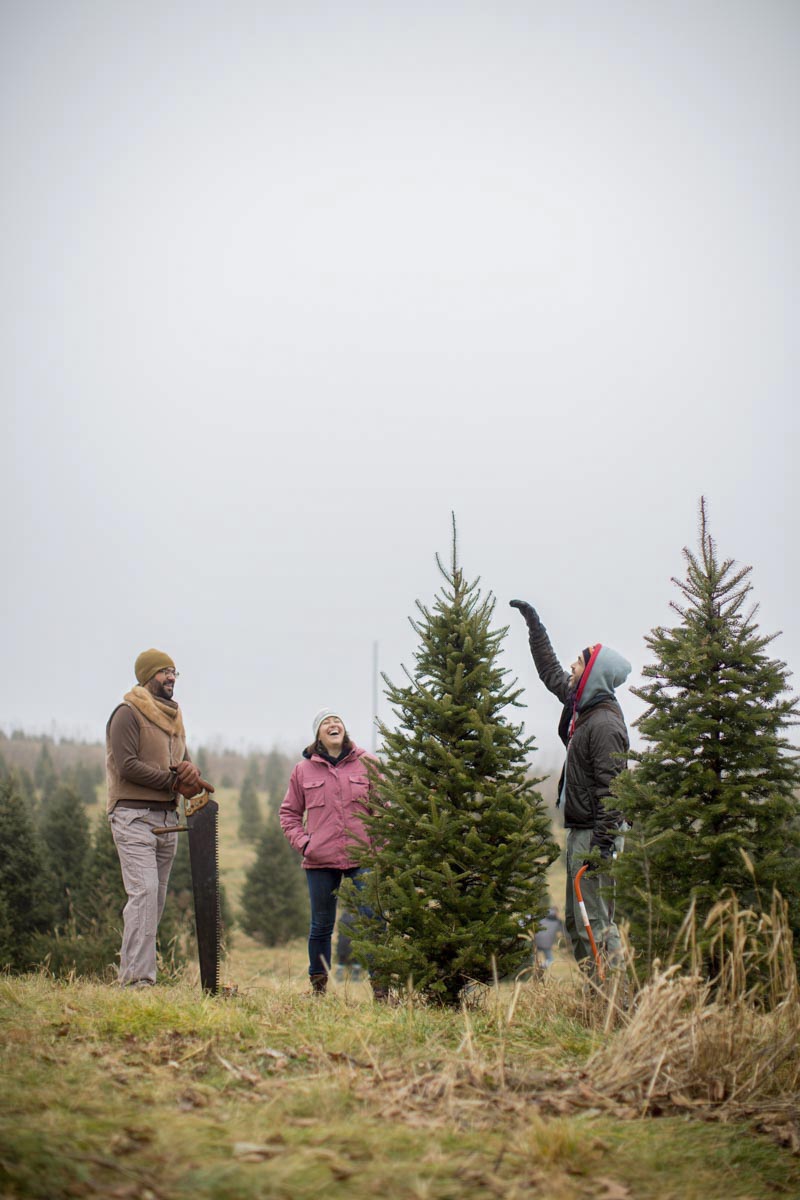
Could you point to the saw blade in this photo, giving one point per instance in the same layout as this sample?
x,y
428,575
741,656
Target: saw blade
x,y
204,860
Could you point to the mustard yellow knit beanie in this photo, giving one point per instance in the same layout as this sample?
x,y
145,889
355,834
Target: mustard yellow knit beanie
x,y
149,663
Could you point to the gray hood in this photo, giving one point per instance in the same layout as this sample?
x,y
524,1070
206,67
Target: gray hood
x,y
609,671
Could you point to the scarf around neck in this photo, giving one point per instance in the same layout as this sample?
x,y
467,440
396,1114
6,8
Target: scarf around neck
x,y
165,714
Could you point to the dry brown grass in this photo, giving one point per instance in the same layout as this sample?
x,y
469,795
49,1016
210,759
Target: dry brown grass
x,y
727,1048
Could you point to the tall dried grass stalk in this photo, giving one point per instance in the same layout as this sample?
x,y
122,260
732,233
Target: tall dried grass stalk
x,y
731,1041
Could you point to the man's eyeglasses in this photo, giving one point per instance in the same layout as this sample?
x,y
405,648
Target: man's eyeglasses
x,y
169,671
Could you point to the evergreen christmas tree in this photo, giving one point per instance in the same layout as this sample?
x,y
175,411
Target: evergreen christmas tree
x,y
22,891
88,943
6,934
44,773
101,898
249,809
713,797
462,840
65,836
275,907
84,778
277,771
201,761
23,786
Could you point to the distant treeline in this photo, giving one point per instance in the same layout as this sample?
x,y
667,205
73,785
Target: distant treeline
x,y
39,754
61,893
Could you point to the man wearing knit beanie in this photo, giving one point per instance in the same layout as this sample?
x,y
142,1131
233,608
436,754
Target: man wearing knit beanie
x,y
150,663
147,767
592,728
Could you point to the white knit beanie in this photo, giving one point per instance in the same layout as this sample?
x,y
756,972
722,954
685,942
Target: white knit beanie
x,y
320,717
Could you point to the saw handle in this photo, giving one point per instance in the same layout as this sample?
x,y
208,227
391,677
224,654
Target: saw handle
x,y
191,805
586,922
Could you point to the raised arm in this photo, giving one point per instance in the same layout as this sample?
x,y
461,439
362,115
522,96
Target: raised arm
x,y
550,671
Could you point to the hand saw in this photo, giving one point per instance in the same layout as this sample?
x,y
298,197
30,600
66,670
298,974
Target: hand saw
x,y
201,824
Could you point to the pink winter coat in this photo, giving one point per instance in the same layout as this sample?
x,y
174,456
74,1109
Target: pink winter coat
x,y
333,801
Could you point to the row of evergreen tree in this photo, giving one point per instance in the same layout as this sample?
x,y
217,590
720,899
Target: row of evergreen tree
x,y
39,786
463,837
61,891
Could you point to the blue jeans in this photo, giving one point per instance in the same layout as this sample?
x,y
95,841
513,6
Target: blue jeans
x,y
323,890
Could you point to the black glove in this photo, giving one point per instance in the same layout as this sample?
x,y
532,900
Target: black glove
x,y
528,611
600,856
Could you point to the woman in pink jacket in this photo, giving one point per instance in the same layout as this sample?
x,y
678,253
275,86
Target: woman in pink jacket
x,y
322,817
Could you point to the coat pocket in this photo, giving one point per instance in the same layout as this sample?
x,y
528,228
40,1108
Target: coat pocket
x,y
314,800
314,793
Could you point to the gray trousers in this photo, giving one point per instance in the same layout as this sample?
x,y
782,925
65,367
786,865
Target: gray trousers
x,y
146,861
596,889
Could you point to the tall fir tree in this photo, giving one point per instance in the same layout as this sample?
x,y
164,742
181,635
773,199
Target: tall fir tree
x,y
6,934
462,837
277,770
23,785
65,837
714,796
44,772
26,909
201,761
275,907
89,943
85,778
101,898
249,808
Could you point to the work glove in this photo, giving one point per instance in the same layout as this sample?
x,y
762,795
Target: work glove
x,y
529,613
600,855
188,781
189,789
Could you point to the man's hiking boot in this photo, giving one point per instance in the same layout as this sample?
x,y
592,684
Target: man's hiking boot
x,y
319,985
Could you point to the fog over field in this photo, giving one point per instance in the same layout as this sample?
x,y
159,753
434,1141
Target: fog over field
x,y
281,286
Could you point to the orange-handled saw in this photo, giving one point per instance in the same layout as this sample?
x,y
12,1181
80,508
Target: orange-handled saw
x,y
587,923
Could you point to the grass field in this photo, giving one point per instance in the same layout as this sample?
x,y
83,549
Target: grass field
x,y
533,1092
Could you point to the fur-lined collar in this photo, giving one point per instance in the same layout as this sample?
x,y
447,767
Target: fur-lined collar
x,y
163,714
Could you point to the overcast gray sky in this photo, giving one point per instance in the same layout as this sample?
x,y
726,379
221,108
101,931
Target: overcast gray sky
x,y
282,285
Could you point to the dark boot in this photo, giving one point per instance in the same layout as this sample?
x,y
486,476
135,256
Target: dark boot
x,y
379,994
319,984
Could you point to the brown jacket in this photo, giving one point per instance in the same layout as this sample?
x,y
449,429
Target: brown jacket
x,y
145,737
